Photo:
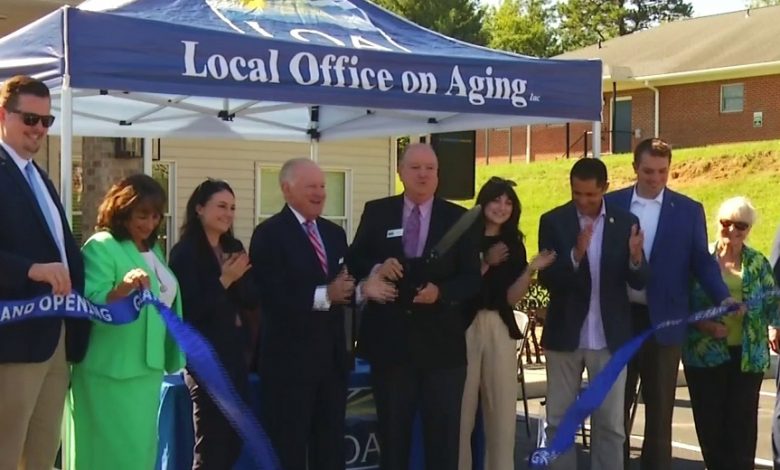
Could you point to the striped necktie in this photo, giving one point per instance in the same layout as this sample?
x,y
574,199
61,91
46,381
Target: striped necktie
x,y
316,243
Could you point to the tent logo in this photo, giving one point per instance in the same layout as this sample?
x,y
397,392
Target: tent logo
x,y
324,22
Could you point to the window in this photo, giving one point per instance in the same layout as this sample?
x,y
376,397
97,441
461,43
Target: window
x,y
78,189
732,98
337,184
165,174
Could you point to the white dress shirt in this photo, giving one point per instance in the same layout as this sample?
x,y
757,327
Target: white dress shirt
x,y
648,211
51,206
592,332
321,301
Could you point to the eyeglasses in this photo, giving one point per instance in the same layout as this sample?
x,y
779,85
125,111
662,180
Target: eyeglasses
x,y
32,119
741,226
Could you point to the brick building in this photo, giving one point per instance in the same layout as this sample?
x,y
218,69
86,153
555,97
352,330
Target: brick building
x,y
695,82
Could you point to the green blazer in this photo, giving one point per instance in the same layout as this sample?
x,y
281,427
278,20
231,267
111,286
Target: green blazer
x,y
138,348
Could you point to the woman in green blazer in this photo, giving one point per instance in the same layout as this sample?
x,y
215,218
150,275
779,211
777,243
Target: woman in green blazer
x,y
115,391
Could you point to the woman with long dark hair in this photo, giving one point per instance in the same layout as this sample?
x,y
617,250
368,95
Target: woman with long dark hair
x,y
492,334
213,272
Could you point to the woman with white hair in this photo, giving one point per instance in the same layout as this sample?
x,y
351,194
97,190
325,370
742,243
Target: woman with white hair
x,y
725,358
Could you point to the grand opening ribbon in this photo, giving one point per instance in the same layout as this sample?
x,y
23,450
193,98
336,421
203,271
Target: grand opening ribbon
x,y
72,305
201,358
594,394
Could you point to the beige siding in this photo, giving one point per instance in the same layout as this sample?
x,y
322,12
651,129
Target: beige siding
x,y
368,162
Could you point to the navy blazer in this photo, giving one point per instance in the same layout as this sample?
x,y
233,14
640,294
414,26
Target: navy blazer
x,y
680,254
296,341
25,239
570,288
425,336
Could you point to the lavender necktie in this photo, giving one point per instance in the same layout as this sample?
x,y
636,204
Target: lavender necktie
x,y
412,233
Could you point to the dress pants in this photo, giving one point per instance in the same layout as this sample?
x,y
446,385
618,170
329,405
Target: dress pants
x,y
657,366
31,406
305,419
491,380
399,392
564,379
724,401
217,445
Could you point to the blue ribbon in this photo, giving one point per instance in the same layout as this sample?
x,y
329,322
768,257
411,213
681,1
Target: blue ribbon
x,y
73,305
201,358
592,396
203,361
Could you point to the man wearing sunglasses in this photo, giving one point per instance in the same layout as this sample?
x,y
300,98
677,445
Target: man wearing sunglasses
x,y
38,255
675,246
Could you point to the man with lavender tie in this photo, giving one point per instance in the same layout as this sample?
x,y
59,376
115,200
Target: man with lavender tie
x,y
415,343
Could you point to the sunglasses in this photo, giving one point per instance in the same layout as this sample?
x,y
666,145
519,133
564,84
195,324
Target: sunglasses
x,y
741,226
32,119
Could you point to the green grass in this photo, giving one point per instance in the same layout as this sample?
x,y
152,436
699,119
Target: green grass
x,y
708,174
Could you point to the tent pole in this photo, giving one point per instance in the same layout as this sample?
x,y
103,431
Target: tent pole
x,y
596,143
314,150
66,149
148,154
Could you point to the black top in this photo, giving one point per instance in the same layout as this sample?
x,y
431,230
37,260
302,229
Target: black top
x,y
208,306
496,282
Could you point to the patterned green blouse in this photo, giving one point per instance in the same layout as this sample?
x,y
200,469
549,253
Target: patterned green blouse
x,y
702,350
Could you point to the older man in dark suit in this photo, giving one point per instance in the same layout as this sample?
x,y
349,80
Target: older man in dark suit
x,y
297,260
415,343
599,249
38,255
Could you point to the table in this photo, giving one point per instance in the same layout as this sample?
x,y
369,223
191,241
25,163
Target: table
x,y
362,445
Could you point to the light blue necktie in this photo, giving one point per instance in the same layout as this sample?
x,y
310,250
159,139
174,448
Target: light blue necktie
x,y
29,172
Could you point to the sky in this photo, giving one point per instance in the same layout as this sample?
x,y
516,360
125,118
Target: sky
x,y
700,7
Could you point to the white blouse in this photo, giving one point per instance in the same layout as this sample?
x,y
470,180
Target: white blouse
x,y
164,277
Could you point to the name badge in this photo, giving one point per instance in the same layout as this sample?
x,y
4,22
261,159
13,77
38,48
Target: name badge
x,y
395,233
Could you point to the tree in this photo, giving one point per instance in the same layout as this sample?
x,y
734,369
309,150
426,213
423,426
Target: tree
x,y
586,22
643,14
762,3
460,19
522,26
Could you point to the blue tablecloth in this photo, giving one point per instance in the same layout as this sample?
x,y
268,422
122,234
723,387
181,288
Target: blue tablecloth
x,y
362,444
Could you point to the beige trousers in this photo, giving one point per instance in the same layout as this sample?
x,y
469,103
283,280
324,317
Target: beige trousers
x,y
32,398
491,378
564,380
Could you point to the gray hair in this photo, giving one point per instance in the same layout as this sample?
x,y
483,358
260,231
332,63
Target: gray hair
x,y
417,146
739,209
289,167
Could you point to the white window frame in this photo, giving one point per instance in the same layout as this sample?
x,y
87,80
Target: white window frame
x,y
722,102
259,167
170,215
80,160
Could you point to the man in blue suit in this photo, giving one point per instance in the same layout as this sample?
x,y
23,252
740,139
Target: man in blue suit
x,y
38,255
676,246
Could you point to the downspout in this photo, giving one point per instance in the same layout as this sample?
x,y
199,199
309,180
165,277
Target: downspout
x,y
656,108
